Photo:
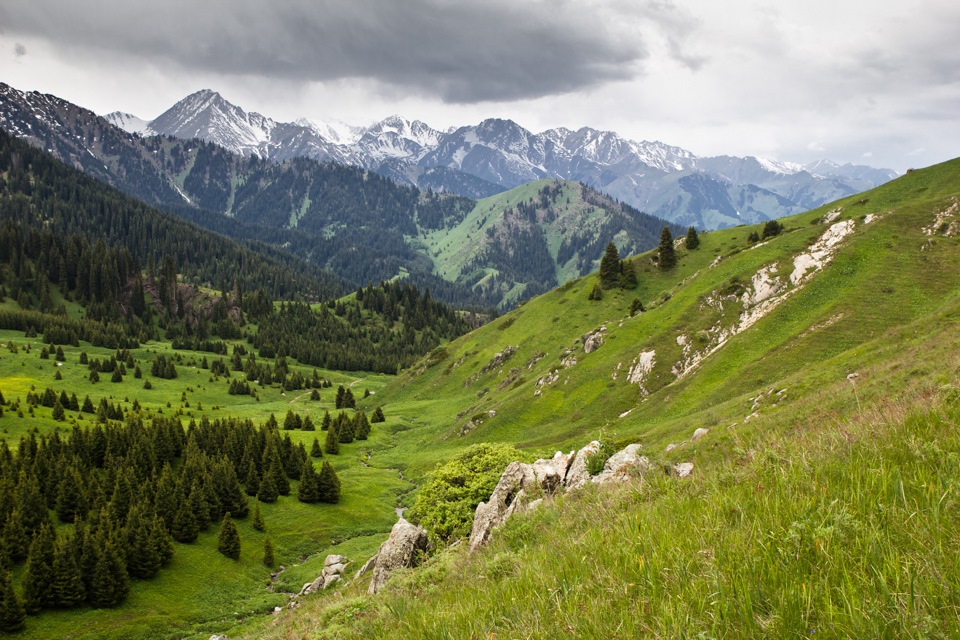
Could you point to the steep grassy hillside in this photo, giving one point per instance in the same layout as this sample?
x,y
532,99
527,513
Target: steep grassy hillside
x,y
528,240
823,363
723,327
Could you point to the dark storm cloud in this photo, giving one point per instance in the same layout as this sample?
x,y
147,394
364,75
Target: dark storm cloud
x,y
455,50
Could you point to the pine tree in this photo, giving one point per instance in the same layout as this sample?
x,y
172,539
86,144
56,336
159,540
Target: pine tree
x,y
228,542
693,240
325,425
70,500
315,450
332,444
38,574
67,587
610,267
349,402
309,489
186,525
109,584
666,252
329,484
628,275
268,556
341,392
268,489
596,293
13,616
258,523
377,416
362,425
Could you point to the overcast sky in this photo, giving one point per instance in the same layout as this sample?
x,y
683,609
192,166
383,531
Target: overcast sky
x,y
854,81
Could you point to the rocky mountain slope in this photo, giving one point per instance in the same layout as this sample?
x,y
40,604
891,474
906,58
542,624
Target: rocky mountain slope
x,y
497,154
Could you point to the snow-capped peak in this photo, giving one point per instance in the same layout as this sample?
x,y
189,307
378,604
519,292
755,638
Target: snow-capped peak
x,y
776,166
128,122
332,130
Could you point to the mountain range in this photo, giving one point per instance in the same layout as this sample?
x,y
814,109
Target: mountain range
x,y
496,155
361,225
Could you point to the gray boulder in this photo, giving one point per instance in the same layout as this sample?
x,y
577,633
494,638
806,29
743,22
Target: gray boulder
x,y
333,566
402,549
699,433
624,465
577,474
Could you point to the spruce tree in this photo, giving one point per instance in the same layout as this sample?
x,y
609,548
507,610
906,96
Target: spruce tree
x,y
315,450
668,255
110,583
268,489
349,402
329,484
377,416
268,556
228,542
325,425
67,587
362,425
38,574
309,489
628,275
258,523
186,522
341,392
610,267
70,501
693,240
332,444
13,616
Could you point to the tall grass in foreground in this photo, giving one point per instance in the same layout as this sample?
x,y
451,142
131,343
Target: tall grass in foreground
x,y
843,530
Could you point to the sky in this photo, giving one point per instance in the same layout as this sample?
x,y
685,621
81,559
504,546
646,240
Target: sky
x,y
873,83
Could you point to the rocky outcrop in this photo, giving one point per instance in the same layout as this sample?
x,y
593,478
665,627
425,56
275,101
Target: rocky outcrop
x,y
519,485
593,340
578,475
404,547
332,573
523,486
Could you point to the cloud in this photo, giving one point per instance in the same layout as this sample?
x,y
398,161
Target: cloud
x,y
455,50
19,50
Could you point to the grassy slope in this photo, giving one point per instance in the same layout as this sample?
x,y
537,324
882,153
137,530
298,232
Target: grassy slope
x,y
826,511
881,279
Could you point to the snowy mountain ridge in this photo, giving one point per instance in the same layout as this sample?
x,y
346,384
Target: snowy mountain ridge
x,y
499,154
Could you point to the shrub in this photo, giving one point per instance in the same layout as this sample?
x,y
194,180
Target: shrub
x,y
449,497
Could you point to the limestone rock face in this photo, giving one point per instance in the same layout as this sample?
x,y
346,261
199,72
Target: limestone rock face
x,y
519,485
401,549
577,474
623,465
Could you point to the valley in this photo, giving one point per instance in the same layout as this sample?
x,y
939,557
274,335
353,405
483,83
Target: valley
x,y
806,368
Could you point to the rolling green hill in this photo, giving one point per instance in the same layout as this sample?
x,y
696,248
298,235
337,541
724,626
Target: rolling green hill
x,y
528,240
823,363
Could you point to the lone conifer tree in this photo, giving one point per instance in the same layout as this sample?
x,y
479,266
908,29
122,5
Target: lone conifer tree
x,y
228,542
610,267
693,240
668,256
268,556
258,522
315,450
